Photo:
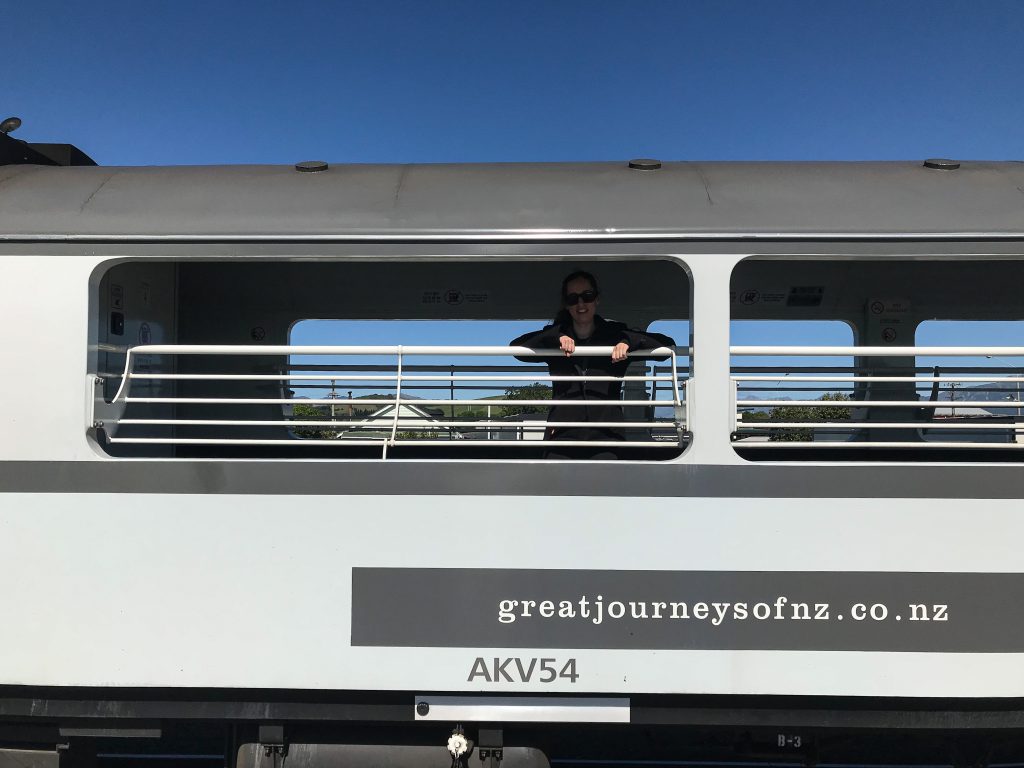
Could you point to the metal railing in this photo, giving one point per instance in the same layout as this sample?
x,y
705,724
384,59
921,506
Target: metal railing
x,y
895,403
288,396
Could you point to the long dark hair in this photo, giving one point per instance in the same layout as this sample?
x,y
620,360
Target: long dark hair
x,y
562,317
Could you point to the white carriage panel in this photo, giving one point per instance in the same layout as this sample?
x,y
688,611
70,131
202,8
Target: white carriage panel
x,y
44,339
256,591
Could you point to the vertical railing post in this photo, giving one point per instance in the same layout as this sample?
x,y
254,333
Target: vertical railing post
x,y
734,393
1018,420
125,377
675,379
680,412
654,384
398,404
451,396
686,405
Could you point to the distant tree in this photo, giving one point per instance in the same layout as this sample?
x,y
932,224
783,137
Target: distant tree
x,y
797,413
535,391
306,412
470,412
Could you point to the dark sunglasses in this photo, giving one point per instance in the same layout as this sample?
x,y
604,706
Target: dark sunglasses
x,y
588,297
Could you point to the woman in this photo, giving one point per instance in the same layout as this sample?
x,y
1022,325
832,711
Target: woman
x,y
577,323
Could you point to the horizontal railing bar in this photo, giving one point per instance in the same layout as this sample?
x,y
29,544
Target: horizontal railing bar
x,y
747,351
469,351
326,377
843,425
341,442
551,444
874,444
785,371
442,369
245,423
436,387
884,403
372,391
534,425
492,424
547,444
881,379
244,441
539,379
421,368
382,401
794,390
406,388
790,391
344,366
257,377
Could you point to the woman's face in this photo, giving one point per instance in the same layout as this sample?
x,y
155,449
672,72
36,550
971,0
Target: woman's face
x,y
580,310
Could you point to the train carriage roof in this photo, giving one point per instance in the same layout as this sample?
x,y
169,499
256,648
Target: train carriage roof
x,y
528,200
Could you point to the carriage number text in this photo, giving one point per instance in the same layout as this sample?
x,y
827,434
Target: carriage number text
x,y
516,670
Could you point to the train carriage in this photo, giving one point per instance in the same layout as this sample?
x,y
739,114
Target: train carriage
x,y
221,539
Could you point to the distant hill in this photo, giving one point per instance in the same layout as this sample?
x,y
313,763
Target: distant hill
x,y
995,392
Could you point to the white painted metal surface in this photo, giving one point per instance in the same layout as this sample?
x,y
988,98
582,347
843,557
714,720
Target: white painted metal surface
x,y
825,351
526,709
185,605
173,589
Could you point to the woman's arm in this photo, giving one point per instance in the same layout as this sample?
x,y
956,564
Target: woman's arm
x,y
546,338
637,340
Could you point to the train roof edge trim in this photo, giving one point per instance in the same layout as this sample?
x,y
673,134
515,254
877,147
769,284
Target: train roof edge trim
x,y
517,201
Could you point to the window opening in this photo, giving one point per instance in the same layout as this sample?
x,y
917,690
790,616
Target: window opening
x,y
905,387
790,397
362,392
424,369
409,410
979,395
473,390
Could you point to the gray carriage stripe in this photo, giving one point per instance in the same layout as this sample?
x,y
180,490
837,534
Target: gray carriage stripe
x,y
512,479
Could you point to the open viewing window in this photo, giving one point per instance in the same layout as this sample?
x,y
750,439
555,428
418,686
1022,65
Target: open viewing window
x,y
899,386
361,359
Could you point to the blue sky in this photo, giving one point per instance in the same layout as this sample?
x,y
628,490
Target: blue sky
x,y
145,82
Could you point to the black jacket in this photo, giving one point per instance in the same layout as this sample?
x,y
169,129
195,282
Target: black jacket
x,y
607,333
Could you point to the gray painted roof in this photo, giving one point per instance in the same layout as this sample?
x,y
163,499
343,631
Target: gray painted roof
x,y
748,199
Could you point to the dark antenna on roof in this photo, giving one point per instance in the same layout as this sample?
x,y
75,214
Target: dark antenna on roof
x,y
17,152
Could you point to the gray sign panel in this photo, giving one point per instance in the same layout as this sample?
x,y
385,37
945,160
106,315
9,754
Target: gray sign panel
x,y
693,610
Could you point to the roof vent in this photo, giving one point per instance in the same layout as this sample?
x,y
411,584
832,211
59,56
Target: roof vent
x,y
941,164
645,164
311,166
